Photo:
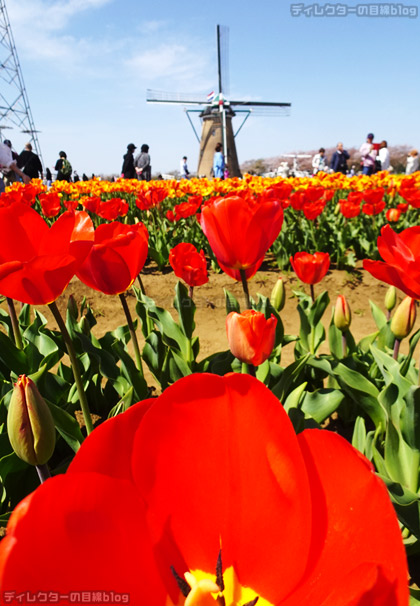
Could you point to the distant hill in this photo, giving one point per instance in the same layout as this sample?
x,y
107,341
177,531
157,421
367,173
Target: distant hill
x,y
263,165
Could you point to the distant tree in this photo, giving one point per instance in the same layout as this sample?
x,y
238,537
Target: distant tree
x,y
255,167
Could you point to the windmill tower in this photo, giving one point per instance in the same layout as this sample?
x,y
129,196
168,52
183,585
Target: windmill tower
x,y
15,111
216,113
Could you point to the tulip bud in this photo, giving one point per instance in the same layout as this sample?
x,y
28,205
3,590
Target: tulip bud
x,y
72,307
30,425
251,336
391,298
278,295
404,318
342,314
84,326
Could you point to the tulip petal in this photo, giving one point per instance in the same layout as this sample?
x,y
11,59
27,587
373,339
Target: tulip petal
x,y
216,459
362,528
103,452
115,259
86,532
21,230
392,275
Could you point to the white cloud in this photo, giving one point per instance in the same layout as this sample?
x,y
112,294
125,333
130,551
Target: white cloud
x,y
151,27
39,28
174,63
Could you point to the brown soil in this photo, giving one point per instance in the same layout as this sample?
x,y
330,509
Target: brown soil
x,y
358,286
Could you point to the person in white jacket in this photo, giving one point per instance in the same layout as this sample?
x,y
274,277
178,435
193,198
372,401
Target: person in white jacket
x,y
412,162
319,161
384,156
7,162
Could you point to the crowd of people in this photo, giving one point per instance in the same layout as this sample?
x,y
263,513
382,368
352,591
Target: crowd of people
x,y
373,158
137,167
27,165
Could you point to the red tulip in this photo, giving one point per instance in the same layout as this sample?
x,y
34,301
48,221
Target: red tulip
x,y
349,209
186,209
411,195
373,196
278,191
251,336
313,194
401,255
310,268
189,264
297,199
91,203
241,229
50,204
151,197
355,197
212,464
373,208
116,258
25,194
112,209
37,262
312,210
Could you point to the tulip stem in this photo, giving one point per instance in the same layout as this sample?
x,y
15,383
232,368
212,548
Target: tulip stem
x,y
344,344
43,472
245,288
312,293
132,332
248,369
191,292
15,323
75,367
143,290
397,344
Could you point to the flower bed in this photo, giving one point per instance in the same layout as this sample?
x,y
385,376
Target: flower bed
x,y
367,386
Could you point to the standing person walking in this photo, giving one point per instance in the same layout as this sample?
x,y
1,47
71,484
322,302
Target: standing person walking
x,y
7,163
339,159
185,173
369,154
384,156
218,163
63,167
10,176
30,163
128,171
319,161
412,162
142,164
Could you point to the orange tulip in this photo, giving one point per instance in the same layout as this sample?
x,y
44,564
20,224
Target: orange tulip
x,y
251,336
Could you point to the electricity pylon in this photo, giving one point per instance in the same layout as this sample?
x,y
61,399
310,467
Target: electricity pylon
x,y
14,103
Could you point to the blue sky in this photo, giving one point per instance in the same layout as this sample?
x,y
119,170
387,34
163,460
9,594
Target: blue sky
x,y
87,64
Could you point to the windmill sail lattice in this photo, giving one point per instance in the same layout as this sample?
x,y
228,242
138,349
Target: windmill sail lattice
x,y
217,112
15,111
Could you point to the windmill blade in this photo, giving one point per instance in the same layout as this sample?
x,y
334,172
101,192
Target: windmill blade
x,y
263,108
223,59
156,96
261,103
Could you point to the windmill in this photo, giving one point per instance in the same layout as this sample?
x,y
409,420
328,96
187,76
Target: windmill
x,y
14,103
216,113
